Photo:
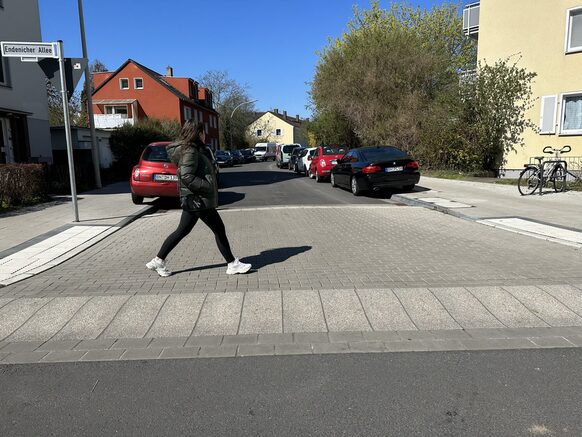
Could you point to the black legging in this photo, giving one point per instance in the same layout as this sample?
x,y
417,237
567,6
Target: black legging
x,y
211,218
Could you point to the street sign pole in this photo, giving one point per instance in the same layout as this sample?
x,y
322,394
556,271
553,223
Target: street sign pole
x,y
68,131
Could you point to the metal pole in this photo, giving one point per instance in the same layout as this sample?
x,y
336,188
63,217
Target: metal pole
x,y
232,113
94,144
68,131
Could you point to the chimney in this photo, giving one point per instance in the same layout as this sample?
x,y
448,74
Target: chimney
x,y
169,71
285,114
276,111
297,117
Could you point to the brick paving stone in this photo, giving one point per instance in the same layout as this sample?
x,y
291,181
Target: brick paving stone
x,y
169,342
367,346
22,346
217,351
262,313
141,354
293,349
63,356
220,314
24,357
345,337
135,317
275,338
103,355
310,337
465,308
247,350
131,343
574,339
302,312
330,348
239,339
99,344
178,316
207,340
343,311
424,309
384,310
180,352
63,345
551,342
3,355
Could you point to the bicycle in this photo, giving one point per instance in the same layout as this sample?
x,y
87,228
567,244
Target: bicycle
x,y
535,176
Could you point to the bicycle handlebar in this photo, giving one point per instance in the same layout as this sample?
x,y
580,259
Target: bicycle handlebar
x,y
550,149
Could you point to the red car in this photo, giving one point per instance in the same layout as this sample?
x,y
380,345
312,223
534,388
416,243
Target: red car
x,y
154,175
324,159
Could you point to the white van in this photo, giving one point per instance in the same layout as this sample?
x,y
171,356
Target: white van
x,y
265,151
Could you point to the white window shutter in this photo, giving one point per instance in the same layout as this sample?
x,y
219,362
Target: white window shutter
x,y
548,115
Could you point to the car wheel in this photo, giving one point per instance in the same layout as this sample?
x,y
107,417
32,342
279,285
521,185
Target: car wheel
x,y
355,186
310,174
138,200
332,180
296,169
317,177
408,187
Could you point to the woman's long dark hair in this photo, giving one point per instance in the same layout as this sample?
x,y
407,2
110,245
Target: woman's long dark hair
x,y
190,135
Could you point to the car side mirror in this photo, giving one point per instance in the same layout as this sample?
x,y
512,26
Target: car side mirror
x,y
309,158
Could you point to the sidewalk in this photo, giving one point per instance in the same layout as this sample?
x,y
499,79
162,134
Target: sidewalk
x,y
36,238
554,216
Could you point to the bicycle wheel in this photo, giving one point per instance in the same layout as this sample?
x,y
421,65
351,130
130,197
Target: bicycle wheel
x,y
559,179
528,181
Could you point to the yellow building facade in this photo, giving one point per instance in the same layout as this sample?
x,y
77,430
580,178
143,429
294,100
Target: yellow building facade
x,y
275,127
545,37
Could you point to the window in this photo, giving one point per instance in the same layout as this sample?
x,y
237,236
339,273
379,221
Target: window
x,y
278,132
124,84
259,133
138,83
548,115
3,75
571,117
116,110
206,128
574,30
187,113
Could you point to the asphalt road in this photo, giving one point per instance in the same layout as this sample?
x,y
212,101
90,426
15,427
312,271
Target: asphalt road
x,y
509,393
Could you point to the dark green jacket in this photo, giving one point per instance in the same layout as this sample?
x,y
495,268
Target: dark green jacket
x,y
196,173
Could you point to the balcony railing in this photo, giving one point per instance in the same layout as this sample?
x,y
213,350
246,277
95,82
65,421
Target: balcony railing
x,y
471,20
111,121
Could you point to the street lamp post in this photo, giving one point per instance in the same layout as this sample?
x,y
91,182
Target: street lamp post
x,y
232,113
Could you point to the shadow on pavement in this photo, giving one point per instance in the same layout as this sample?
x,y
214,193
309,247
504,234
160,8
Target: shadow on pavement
x,y
253,178
114,188
274,256
229,197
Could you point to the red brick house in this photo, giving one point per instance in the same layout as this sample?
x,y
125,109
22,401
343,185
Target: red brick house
x,y
134,92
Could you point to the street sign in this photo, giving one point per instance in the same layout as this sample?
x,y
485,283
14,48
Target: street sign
x,y
30,49
74,68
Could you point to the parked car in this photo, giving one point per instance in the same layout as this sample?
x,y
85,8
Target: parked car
x,y
223,158
248,155
154,175
265,151
324,159
295,157
237,156
375,168
284,152
302,165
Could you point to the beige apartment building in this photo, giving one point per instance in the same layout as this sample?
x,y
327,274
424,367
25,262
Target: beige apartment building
x,y
545,37
275,127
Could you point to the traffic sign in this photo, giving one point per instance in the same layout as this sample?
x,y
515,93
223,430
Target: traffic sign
x,y
74,68
30,49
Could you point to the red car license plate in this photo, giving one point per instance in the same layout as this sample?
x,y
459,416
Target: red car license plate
x,y
165,178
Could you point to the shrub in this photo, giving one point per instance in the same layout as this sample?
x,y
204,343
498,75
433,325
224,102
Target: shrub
x,y
22,184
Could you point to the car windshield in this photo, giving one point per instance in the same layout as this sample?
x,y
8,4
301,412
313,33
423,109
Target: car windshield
x,y
334,150
382,153
155,154
261,149
289,149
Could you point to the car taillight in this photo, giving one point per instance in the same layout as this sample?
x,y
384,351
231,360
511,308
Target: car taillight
x,y
371,169
136,174
322,162
412,165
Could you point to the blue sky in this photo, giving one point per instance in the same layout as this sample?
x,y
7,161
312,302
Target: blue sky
x,y
268,45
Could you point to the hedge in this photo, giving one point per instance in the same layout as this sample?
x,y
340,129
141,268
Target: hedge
x,y
22,184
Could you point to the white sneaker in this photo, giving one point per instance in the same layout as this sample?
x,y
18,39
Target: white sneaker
x,y
160,266
237,267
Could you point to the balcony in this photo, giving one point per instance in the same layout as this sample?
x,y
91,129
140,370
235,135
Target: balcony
x,y
471,20
112,121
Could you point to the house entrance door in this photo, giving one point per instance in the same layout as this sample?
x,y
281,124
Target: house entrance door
x,y
6,146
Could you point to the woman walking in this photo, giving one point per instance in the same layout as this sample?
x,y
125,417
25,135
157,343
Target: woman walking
x,y
198,189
